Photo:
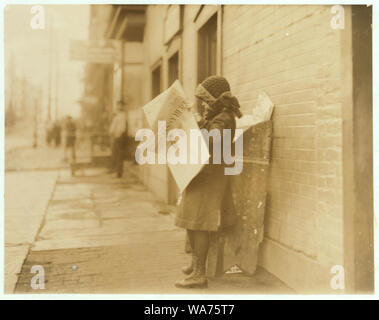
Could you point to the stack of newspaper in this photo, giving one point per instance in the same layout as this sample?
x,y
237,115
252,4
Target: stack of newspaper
x,y
261,112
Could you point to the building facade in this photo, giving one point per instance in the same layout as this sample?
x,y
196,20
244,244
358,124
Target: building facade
x,y
306,64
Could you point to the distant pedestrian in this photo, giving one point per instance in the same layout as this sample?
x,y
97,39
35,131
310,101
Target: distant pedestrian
x,y
70,137
57,133
118,133
49,132
102,131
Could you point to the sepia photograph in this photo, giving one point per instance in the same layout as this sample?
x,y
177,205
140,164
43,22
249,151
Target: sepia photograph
x,y
176,149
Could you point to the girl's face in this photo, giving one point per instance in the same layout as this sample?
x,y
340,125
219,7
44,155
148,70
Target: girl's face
x,y
205,107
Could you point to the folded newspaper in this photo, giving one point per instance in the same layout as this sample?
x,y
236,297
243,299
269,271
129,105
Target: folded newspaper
x,y
172,107
261,112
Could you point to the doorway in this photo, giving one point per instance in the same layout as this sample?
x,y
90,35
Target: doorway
x,y
207,51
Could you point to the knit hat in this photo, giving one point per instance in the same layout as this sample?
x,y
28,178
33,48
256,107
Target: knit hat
x,y
215,91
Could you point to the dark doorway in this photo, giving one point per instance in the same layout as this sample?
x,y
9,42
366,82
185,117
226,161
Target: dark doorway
x,y
173,68
156,82
207,51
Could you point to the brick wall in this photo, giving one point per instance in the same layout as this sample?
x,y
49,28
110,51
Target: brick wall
x,y
293,54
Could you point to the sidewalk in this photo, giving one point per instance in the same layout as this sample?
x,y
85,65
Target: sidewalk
x,y
26,197
101,234
29,181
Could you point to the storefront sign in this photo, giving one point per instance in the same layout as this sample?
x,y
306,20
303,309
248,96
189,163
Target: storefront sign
x,y
82,50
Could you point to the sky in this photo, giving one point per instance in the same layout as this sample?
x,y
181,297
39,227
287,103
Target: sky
x,y
30,50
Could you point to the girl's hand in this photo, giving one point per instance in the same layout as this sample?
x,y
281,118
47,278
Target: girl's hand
x,y
198,117
193,108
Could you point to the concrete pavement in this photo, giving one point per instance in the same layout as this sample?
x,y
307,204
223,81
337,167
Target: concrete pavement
x,y
29,181
26,197
101,234
94,233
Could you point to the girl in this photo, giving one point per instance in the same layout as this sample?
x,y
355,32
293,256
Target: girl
x,y
207,202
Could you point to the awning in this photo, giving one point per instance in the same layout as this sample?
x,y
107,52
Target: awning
x,y
127,22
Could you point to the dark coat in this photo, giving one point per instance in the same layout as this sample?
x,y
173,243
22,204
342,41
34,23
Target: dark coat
x,y
207,202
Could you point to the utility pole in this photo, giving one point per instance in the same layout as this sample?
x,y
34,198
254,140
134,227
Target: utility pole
x,y
122,70
56,83
37,104
11,111
35,134
50,69
23,93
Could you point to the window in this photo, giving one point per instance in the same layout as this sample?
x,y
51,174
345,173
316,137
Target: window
x,y
207,49
173,68
156,82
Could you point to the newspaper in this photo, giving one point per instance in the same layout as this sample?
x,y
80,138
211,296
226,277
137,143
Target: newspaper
x,y
261,112
172,106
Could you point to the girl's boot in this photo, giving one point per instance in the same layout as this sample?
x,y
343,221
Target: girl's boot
x,y
188,269
197,278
